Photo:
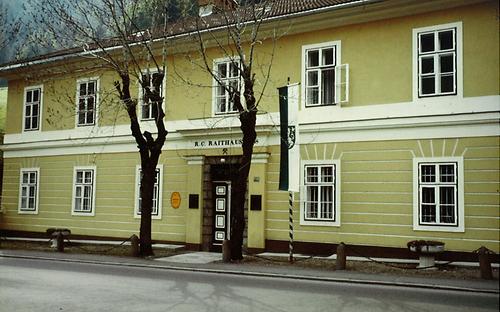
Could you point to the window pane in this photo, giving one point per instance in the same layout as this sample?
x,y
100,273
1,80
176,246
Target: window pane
x,y
90,103
35,110
81,104
428,85
327,174
446,63
29,96
428,173
90,117
233,70
79,176
24,203
312,78
312,202
31,203
427,43
88,177
312,96
446,40
447,173
428,195
313,58
327,86
427,65
91,88
312,174
83,88
36,96
327,56
447,204
146,111
27,110
221,104
222,70
32,176
34,123
447,83
24,191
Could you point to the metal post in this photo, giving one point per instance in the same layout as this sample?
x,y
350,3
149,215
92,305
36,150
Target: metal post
x,y
290,244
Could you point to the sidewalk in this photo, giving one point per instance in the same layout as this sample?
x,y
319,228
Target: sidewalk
x,y
483,286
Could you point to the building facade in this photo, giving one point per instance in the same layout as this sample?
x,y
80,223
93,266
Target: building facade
x,y
399,113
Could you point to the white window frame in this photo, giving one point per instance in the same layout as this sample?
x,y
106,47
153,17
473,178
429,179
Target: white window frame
x,y
93,204
137,213
140,96
457,26
96,101
215,84
40,106
336,192
339,70
459,209
37,191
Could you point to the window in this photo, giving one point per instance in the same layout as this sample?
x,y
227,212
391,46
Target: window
x,y
32,108
226,85
84,191
148,110
438,60
87,102
157,193
28,193
439,194
320,194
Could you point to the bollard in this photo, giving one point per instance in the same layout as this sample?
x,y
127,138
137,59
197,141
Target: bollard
x,y
226,251
60,242
134,243
485,263
340,264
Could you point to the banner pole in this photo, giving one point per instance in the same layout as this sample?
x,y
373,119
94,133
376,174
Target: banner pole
x,y
290,243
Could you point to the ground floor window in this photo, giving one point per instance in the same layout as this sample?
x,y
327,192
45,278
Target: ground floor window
x,y
84,191
320,193
438,194
28,192
157,193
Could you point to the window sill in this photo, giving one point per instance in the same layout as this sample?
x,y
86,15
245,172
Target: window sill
x,y
439,228
27,212
320,223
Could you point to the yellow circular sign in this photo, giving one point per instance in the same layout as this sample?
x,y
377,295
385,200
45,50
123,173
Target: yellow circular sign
x,y
175,200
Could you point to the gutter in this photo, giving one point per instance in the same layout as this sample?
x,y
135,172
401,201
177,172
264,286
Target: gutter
x,y
270,19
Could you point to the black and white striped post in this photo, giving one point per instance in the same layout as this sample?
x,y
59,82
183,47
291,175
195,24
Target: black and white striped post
x,y
290,221
290,153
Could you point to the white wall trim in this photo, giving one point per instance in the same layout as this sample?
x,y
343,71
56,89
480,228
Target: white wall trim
x,y
338,61
337,186
459,65
37,198
460,189
94,179
96,104
471,117
40,109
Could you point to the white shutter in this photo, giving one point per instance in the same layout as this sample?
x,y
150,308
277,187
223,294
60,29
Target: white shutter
x,y
342,84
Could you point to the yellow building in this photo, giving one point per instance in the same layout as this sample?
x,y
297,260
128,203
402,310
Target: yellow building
x,y
399,137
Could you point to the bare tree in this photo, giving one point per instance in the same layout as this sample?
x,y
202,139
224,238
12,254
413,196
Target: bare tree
x,y
242,34
107,34
10,28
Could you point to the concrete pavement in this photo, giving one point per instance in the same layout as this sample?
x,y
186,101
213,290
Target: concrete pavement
x,y
204,262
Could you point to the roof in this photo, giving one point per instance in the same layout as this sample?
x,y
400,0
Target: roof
x,y
277,9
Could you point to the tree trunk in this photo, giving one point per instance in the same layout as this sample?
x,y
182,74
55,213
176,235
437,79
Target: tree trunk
x,y
147,187
248,120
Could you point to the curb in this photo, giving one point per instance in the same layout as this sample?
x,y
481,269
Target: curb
x,y
261,274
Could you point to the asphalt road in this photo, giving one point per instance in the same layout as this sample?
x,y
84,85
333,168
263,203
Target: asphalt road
x,y
42,285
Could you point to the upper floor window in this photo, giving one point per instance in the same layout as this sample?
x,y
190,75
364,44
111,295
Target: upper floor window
x,y
226,85
28,193
438,201
319,196
438,60
84,191
148,109
87,102
325,79
32,108
157,193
